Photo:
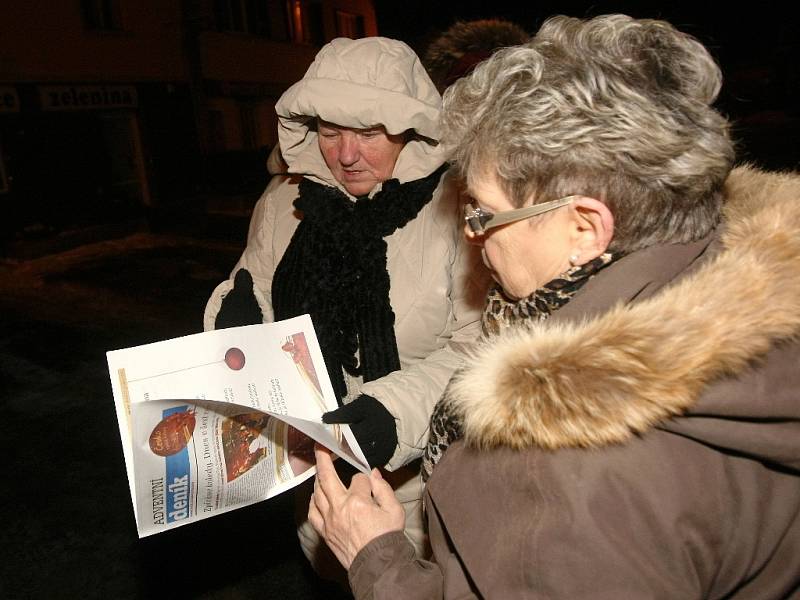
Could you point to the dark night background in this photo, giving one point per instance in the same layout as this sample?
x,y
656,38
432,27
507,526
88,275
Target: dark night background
x,y
67,523
756,45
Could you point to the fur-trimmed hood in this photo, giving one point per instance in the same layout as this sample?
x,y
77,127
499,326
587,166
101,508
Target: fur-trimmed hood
x,y
601,380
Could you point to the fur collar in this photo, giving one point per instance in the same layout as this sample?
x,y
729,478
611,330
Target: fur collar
x,y
602,380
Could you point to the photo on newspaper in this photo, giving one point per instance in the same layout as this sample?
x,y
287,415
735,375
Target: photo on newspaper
x,y
215,421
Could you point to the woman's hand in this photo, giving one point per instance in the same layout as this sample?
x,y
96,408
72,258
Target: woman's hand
x,y
348,519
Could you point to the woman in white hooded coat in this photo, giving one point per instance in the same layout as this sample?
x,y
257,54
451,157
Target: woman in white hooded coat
x,y
364,234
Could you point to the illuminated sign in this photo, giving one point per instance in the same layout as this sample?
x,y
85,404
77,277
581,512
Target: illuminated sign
x,y
87,97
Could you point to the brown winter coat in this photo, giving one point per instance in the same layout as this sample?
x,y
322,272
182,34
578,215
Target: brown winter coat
x,y
642,443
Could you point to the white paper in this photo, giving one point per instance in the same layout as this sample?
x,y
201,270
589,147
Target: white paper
x,y
218,420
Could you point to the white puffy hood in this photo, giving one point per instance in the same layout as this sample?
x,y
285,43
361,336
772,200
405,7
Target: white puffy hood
x,y
362,83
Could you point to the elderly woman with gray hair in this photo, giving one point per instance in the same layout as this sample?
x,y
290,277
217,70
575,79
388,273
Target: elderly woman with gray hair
x,y
630,425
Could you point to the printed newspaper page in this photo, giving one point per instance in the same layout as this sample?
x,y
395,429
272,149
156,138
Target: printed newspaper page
x,y
218,420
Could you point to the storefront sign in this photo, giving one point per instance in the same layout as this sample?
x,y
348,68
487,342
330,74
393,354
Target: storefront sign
x,y
87,97
9,100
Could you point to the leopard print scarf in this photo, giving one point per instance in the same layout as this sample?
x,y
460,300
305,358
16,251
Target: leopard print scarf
x,y
500,314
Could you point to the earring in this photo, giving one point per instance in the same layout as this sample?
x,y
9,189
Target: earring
x,y
573,260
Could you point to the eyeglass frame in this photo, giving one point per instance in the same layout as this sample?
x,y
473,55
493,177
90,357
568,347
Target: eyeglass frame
x,y
480,221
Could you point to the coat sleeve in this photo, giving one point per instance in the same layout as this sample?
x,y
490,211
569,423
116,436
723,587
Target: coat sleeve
x,y
411,393
386,569
258,257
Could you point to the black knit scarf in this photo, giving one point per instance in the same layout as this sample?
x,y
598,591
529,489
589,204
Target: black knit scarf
x,y
335,269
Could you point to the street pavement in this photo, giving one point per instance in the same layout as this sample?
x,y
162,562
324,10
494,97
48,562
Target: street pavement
x,y
67,522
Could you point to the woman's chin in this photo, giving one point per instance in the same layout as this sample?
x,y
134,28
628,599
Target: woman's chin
x,y
510,294
515,293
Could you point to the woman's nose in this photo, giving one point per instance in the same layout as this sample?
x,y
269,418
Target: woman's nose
x,y
348,149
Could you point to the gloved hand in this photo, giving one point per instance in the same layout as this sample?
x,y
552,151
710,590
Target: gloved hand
x,y
373,427
240,306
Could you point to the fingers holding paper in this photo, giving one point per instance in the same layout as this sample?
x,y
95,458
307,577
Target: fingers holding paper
x,y
349,518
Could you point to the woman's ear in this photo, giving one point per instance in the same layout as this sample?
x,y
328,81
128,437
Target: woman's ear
x,y
592,228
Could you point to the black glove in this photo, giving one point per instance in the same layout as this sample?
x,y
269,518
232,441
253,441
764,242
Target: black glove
x,y
373,427
240,306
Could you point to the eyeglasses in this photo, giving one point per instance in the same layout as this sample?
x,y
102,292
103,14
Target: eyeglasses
x,y
480,221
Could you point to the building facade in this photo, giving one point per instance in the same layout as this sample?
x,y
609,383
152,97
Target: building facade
x,y
113,108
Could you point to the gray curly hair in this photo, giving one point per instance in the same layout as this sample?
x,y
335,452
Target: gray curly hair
x,y
614,108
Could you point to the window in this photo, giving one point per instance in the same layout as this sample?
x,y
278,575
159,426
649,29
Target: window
x,y
305,21
349,24
101,15
243,16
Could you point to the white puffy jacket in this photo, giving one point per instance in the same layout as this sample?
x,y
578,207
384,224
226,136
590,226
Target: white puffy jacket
x,y
437,283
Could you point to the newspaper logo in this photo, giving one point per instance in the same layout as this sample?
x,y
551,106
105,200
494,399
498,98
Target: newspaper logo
x,y
179,482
